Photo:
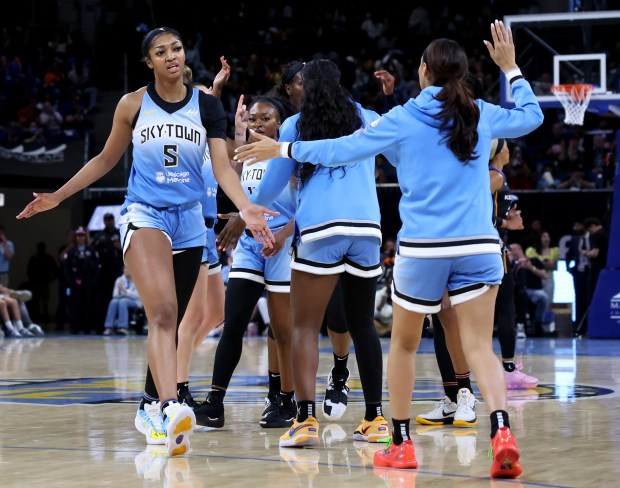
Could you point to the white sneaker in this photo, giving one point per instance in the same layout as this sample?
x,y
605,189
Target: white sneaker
x,y
336,395
150,423
179,423
521,331
465,415
442,413
23,332
36,329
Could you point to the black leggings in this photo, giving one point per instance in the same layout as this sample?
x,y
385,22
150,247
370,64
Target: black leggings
x,y
505,315
186,266
241,298
358,303
335,316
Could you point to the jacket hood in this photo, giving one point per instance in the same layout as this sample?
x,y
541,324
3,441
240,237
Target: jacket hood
x,y
425,107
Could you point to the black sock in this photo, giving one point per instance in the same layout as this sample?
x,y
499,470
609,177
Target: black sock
x,y
499,418
463,380
340,365
401,431
182,388
305,409
147,399
373,410
287,397
451,388
509,366
274,383
217,394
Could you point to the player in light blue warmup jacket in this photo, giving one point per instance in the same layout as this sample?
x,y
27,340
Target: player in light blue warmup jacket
x,y
438,142
338,234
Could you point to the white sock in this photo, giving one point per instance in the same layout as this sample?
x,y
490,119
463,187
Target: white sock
x,y
9,326
19,325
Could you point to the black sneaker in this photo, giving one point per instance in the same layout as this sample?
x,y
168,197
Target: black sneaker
x,y
210,412
335,402
187,398
278,415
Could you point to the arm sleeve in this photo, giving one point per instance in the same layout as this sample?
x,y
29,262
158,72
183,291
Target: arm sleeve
x,y
516,122
373,139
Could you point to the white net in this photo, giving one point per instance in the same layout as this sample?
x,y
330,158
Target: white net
x,y
575,100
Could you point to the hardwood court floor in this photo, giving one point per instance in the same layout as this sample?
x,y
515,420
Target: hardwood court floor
x,y
68,406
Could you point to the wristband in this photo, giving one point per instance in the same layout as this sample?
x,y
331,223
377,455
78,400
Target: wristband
x,y
241,215
513,75
284,150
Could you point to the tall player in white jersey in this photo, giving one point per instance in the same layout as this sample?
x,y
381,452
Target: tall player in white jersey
x,y
163,232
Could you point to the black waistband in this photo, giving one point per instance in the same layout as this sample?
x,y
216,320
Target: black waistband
x,y
210,223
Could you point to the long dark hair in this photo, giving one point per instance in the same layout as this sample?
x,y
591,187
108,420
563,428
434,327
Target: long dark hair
x,y
328,110
447,63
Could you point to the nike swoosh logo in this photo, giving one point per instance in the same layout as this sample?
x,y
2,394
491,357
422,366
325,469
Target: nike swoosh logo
x,y
147,112
364,430
292,431
447,414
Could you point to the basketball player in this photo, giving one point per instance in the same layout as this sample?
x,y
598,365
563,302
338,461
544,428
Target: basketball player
x,y
254,270
162,228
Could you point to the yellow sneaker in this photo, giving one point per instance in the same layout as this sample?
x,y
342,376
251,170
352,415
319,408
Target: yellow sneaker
x,y
300,434
376,431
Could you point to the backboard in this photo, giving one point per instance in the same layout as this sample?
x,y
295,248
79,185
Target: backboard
x,y
568,48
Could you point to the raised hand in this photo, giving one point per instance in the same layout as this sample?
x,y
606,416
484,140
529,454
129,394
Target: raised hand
x,y
502,50
41,203
387,81
221,78
241,120
264,149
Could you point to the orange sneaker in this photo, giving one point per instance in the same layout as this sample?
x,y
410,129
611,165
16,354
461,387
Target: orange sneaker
x,y
505,454
375,431
401,456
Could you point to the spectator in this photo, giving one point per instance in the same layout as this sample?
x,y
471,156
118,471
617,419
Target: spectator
x,y
599,243
107,244
577,180
529,275
124,299
548,180
7,251
81,268
547,255
42,271
579,267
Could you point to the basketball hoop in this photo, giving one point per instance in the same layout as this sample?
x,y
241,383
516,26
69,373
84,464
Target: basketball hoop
x,y
575,99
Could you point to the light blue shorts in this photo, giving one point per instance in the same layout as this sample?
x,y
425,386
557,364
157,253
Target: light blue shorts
x,y
209,253
273,272
419,283
356,255
183,225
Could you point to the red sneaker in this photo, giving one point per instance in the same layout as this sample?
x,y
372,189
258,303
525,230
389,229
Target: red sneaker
x,y
400,456
505,455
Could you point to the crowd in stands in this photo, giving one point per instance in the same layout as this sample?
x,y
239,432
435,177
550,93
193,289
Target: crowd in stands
x,y
46,92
